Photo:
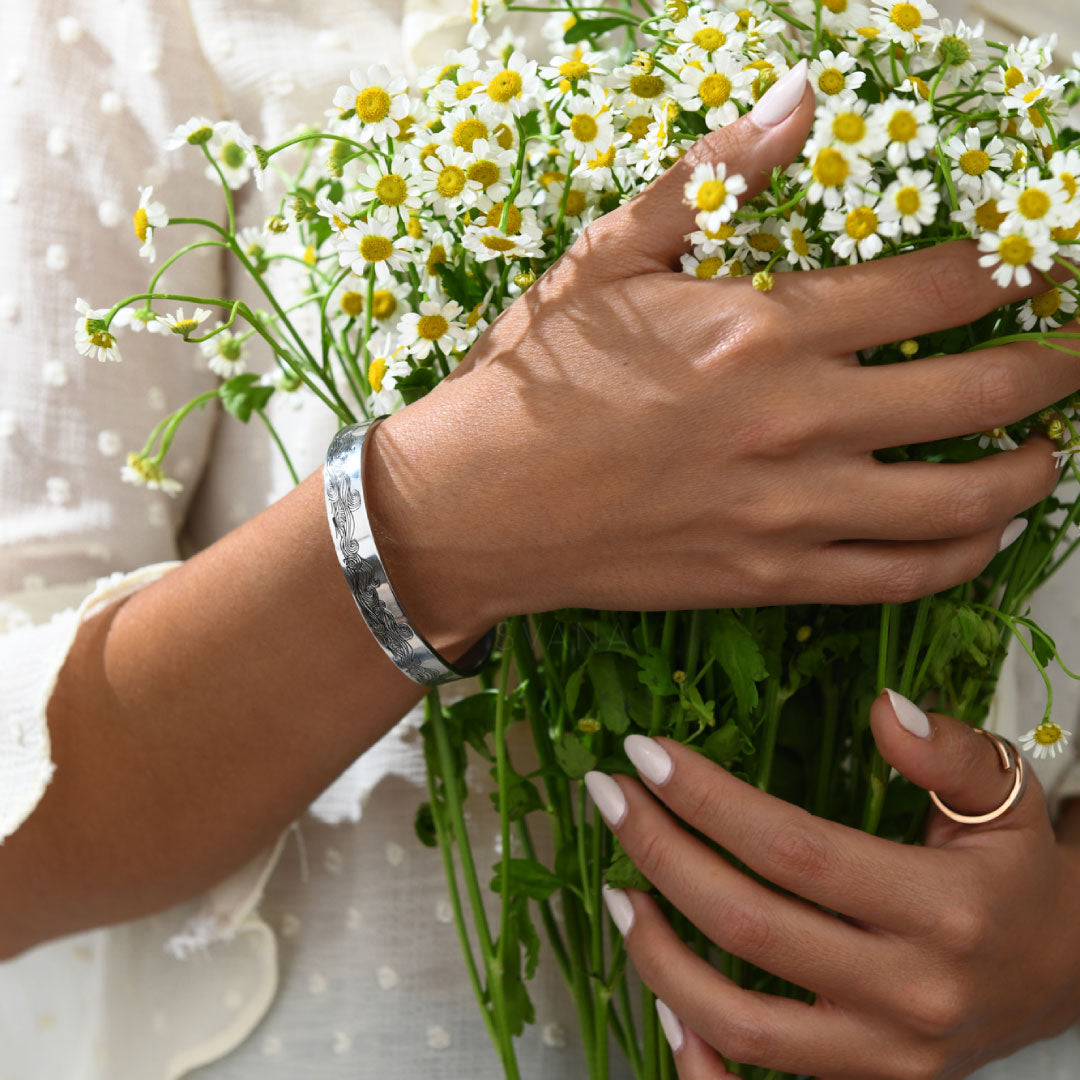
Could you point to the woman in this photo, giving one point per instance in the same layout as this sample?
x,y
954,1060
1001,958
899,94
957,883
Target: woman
x,y
196,675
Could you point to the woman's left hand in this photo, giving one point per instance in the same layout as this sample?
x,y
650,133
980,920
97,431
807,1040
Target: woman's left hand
x,y
937,959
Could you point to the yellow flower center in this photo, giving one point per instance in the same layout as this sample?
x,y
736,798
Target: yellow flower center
x,y
466,132
102,339
638,127
465,89
708,268
646,86
714,90
837,7
432,327
725,232
451,181
908,200
436,257
352,303
376,248
372,104
575,202
849,127
1016,250
391,190
830,168
1047,733
799,244
1013,78
383,303
1034,204
605,160
574,69
710,39
764,241
376,372
903,127
1066,236
142,222
906,16
975,162
584,127
414,228
485,173
989,217
861,223
711,195
831,81
311,256
494,218
405,128
184,326
504,136
504,86
1019,160
499,243
1071,185
1047,304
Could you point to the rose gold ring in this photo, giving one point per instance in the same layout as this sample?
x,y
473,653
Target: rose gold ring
x,y
1010,759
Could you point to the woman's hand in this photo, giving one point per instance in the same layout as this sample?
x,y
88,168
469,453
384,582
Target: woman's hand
x,y
629,437
942,958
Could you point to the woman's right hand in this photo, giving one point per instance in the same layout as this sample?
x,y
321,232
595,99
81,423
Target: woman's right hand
x,y
628,437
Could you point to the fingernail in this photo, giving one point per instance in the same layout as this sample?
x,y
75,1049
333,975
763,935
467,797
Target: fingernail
x,y
780,100
911,717
672,1025
1012,532
649,758
608,796
620,909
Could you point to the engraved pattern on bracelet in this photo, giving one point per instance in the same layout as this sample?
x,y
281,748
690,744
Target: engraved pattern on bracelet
x,y
355,548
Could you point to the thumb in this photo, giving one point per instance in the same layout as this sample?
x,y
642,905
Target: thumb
x,y
652,227
951,758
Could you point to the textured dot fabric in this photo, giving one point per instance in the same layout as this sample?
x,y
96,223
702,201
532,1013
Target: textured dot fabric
x,y
334,953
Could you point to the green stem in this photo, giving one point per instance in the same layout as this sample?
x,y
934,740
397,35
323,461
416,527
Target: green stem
x,y
280,445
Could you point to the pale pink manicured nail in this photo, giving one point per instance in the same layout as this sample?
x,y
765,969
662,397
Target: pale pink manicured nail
x,y
649,758
1012,532
620,909
911,717
672,1025
608,796
780,100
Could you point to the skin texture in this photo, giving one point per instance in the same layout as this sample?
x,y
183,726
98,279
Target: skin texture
x,y
927,962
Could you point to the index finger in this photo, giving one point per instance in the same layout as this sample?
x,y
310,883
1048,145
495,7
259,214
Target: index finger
x,y
906,296
876,881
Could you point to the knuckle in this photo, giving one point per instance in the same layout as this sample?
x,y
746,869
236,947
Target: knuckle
x,y
948,282
745,1039
998,390
937,1007
965,928
904,579
798,854
769,578
926,1063
973,507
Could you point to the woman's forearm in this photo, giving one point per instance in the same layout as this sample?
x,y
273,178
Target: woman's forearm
x,y
194,721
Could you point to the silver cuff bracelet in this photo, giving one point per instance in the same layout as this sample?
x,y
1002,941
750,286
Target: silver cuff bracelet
x,y
366,575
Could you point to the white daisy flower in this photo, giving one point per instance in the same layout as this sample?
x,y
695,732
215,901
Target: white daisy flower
x,y
139,319
467,123
492,168
145,472
514,84
702,34
376,100
600,170
148,217
489,242
91,337
800,253
859,227
974,161
829,172
1033,201
587,124
642,82
569,71
904,23
1037,107
998,438
395,185
182,325
1065,166
702,265
374,243
340,214
713,194
908,125
231,147
435,324
912,199
1013,252
730,236
839,17
982,214
963,46
195,132
1046,740
225,354
448,188
388,364
835,74
843,122
716,89
1067,453
1049,310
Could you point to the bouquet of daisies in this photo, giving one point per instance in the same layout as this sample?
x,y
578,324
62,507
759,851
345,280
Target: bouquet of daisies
x,y
419,211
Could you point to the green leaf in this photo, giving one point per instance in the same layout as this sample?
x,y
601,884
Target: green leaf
x,y
574,757
416,384
591,29
623,874
474,718
573,685
242,395
527,935
522,797
610,699
738,654
724,745
424,826
1042,644
526,878
655,672
691,700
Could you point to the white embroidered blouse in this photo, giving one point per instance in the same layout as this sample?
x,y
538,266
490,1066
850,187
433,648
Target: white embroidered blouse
x,y
333,953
